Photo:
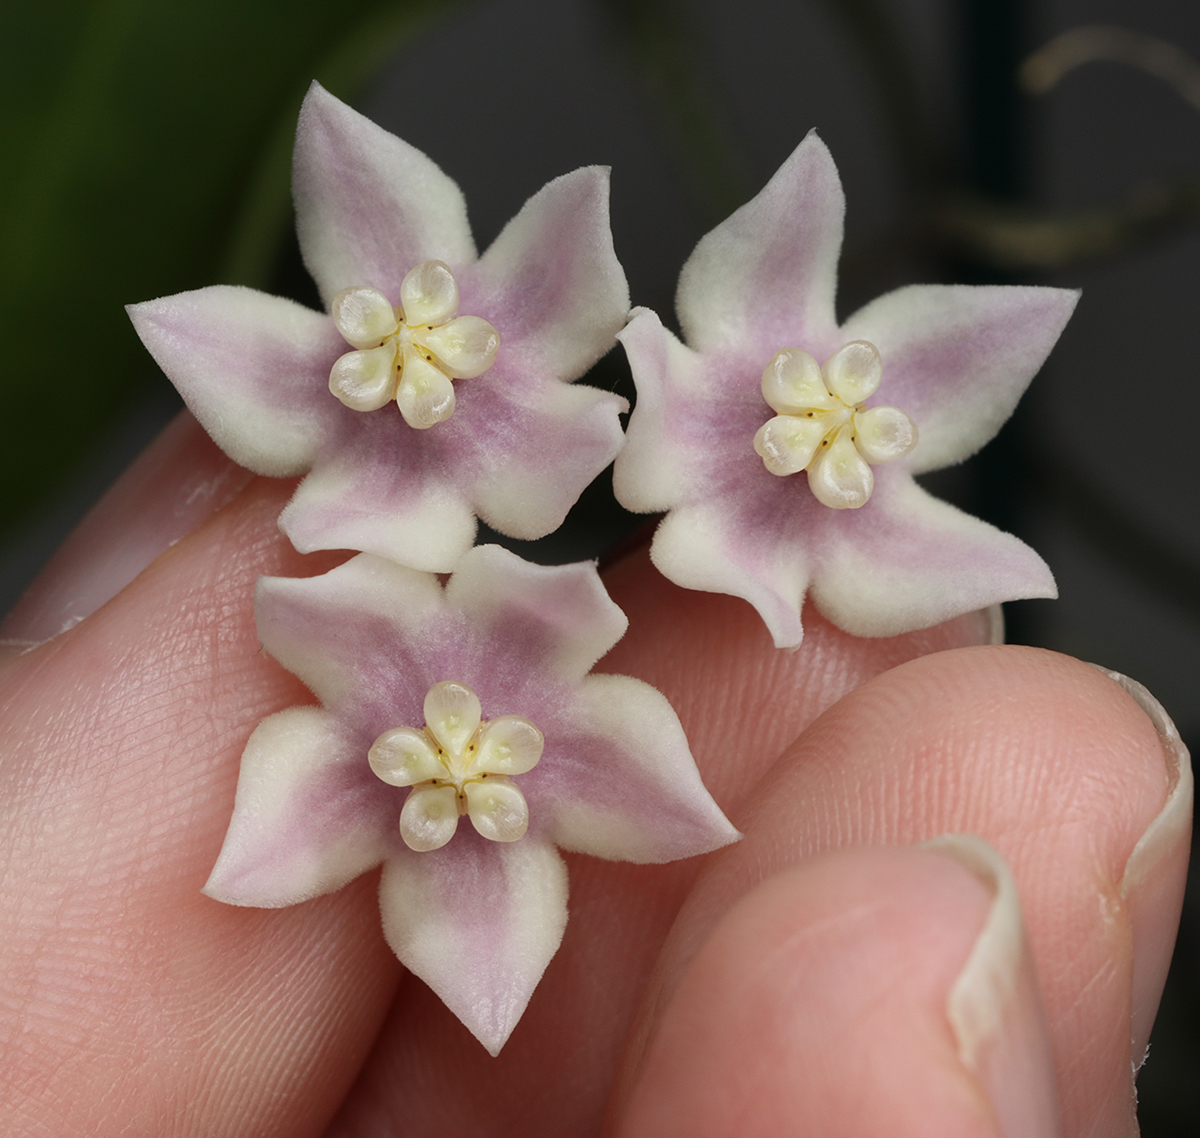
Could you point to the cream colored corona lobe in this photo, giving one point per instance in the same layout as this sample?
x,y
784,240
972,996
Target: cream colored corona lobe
x,y
458,764
411,353
823,425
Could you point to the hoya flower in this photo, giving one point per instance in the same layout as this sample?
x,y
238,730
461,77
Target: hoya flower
x,y
435,390
460,741
783,446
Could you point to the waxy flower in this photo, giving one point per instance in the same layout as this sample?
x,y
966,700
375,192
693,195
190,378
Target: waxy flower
x,y
783,446
437,388
460,741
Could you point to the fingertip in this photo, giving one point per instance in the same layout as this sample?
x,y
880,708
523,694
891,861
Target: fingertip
x,y
1045,758
819,1005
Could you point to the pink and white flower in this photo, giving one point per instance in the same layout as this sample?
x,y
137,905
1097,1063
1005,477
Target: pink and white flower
x,y
478,353
475,695
783,446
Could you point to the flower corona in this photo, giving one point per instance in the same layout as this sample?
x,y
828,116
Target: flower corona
x,y
459,764
824,426
410,353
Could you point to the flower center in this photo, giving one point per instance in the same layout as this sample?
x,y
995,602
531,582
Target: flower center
x,y
410,353
458,764
824,426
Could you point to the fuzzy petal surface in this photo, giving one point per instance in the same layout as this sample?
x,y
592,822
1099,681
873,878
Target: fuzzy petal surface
x,y
362,500
369,207
521,442
959,357
307,818
768,273
252,368
556,281
922,562
601,764
566,607
879,556
345,634
650,473
478,921
626,787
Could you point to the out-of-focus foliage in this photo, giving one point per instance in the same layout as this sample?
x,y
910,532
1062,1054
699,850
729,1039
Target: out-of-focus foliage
x,y
144,149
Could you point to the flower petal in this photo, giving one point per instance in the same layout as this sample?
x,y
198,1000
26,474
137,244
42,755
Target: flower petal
x,y
429,294
839,477
919,562
309,815
854,371
365,380
956,358
649,474
478,921
623,784
393,509
551,283
369,207
559,615
698,547
252,368
524,485
464,347
327,631
509,745
364,316
884,434
425,395
787,443
792,383
766,275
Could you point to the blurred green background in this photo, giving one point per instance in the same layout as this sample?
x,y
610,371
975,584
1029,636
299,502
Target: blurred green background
x,y
144,149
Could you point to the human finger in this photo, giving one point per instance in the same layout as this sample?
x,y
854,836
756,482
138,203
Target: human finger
x,y
132,1002
1085,794
869,990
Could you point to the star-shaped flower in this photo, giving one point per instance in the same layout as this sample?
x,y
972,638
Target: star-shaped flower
x,y
477,352
476,696
783,447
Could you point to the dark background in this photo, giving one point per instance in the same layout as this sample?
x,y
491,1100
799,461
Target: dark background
x,y
132,165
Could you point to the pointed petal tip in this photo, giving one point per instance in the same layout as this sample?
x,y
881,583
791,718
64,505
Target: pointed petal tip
x,y
768,272
478,922
317,99
554,270
787,639
923,562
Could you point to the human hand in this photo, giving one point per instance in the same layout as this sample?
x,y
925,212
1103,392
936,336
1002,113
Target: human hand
x,y
795,983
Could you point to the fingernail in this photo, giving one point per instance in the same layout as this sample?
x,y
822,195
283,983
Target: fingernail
x,y
1153,882
174,485
995,1007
